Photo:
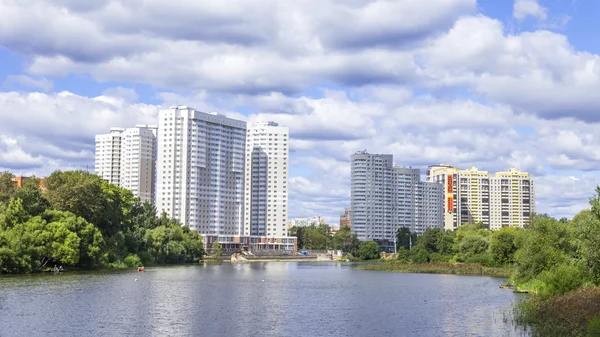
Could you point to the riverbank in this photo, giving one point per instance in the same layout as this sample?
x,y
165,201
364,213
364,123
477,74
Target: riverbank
x,y
576,313
438,268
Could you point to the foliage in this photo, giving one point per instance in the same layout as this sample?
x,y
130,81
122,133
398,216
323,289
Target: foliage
x,y
368,250
572,314
81,221
320,238
217,251
438,268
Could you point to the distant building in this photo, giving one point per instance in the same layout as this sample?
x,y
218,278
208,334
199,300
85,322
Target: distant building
x,y
345,218
20,181
385,197
495,199
254,243
304,222
126,158
108,155
266,180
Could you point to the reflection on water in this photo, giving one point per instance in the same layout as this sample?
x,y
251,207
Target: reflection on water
x,y
266,299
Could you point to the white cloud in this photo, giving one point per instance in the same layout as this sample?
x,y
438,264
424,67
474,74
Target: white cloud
x,y
524,8
27,82
427,81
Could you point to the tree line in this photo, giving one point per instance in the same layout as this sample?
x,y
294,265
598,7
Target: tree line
x,y
549,257
321,238
82,221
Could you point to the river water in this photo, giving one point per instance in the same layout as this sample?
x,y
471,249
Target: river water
x,y
254,299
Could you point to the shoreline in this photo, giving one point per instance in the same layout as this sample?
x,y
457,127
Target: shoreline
x,y
439,268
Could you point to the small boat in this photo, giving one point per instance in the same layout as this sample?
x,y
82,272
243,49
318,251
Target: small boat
x,y
140,268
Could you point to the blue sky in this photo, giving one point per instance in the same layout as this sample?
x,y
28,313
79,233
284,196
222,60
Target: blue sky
x,y
492,84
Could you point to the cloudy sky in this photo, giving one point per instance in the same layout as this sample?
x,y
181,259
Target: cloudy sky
x,y
491,84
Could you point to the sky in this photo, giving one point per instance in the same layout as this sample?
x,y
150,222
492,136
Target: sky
x,y
489,84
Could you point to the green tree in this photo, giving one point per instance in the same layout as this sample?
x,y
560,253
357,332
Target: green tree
x,y
343,239
7,186
503,246
369,250
404,238
217,251
30,194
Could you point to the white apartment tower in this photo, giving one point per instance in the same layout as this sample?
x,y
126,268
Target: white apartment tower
x,y
266,190
495,199
108,155
126,157
385,197
138,161
200,170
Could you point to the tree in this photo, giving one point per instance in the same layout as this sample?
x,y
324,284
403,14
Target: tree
x,y
369,250
217,251
404,238
343,238
30,194
503,246
354,245
7,186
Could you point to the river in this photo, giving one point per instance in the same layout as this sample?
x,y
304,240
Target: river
x,y
254,299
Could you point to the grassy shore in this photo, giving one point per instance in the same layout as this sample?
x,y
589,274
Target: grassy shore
x,y
576,313
438,268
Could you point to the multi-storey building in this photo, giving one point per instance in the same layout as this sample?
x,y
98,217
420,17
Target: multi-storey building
x,y
200,170
385,197
126,157
108,155
266,181
346,218
305,222
138,161
496,200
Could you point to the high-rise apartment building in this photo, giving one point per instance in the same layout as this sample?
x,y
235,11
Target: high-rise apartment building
x,y
138,161
266,181
108,155
495,199
385,197
126,157
200,170
346,218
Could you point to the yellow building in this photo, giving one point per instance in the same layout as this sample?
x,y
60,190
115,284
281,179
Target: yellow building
x,y
497,200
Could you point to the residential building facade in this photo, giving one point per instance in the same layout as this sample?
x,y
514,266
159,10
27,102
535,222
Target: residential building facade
x,y
200,170
126,158
497,200
108,155
346,218
138,161
266,180
385,197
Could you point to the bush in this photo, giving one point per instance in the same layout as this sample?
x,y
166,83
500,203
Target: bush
x,y
560,280
133,260
484,259
368,250
572,314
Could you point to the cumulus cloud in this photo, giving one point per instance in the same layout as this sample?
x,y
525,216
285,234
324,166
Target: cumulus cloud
x,y
524,8
427,81
27,82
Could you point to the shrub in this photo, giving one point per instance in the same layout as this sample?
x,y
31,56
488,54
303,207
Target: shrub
x,y
133,260
560,280
368,250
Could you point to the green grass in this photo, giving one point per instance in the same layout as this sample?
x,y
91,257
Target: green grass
x,y
439,268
